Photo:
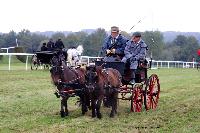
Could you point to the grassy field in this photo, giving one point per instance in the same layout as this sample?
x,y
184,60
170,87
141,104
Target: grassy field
x,y
27,104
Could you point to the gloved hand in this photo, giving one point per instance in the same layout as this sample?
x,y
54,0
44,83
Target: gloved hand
x,y
108,51
113,51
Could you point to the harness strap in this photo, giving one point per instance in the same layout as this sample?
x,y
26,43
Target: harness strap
x,y
74,70
105,74
78,77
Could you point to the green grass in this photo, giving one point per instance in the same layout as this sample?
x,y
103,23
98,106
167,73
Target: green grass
x,y
27,104
15,63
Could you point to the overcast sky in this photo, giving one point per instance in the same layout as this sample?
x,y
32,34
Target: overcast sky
x,y
74,15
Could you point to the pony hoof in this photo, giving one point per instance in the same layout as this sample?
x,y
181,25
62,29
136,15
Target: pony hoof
x,y
57,95
83,112
99,116
90,108
66,113
93,116
112,115
62,114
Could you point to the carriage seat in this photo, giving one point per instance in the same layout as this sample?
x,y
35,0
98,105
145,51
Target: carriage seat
x,y
140,73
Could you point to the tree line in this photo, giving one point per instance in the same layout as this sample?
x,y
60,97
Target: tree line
x,y
181,48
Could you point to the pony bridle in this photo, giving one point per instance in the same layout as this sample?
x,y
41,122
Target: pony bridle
x,y
57,68
91,86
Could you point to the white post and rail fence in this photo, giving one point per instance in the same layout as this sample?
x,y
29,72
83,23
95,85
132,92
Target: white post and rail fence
x,y
90,60
14,54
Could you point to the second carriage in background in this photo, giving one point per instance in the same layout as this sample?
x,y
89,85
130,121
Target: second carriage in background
x,y
41,59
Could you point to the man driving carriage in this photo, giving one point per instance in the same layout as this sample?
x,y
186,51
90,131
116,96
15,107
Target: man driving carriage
x,y
114,46
135,50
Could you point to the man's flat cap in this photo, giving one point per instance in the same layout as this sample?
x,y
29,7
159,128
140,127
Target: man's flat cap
x,y
137,34
114,29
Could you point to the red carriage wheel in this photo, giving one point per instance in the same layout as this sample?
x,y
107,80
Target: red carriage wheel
x,y
152,91
137,99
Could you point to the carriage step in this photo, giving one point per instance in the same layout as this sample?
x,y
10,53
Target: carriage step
x,y
123,98
125,91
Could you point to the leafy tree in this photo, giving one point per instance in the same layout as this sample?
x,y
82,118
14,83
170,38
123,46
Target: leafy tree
x,y
127,35
155,42
190,49
180,40
93,43
30,41
9,39
58,35
183,48
2,41
36,41
75,39
24,39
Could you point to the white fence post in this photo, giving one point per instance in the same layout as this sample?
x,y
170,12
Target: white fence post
x,y
9,60
174,64
168,65
27,62
88,60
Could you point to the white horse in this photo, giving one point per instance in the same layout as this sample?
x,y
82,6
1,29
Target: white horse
x,y
73,55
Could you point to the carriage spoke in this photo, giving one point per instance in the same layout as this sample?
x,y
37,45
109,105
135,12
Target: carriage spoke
x,y
137,100
152,91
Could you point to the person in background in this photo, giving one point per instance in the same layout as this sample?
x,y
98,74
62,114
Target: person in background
x,y
50,45
60,48
44,47
59,44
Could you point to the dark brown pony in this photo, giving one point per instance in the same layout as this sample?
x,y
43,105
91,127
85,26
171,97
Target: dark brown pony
x,y
69,82
101,83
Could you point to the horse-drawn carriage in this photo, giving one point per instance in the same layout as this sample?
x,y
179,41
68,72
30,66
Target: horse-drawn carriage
x,y
88,85
145,91
41,59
